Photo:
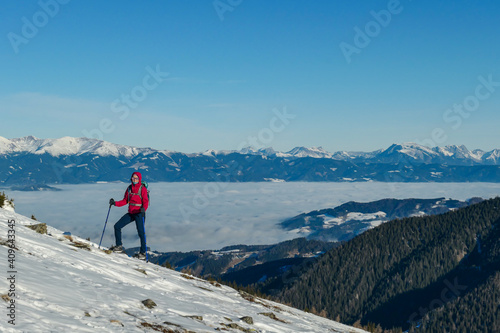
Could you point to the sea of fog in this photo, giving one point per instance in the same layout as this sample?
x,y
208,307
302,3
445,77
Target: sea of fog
x,y
202,216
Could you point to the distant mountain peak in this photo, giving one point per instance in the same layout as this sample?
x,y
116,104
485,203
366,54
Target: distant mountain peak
x,y
316,152
67,146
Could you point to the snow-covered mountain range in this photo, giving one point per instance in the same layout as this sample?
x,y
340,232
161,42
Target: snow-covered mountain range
x,y
55,282
31,160
456,155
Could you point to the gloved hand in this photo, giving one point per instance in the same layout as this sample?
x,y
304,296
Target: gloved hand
x,y
111,202
143,211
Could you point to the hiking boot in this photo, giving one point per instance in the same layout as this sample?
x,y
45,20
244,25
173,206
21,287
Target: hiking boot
x,y
118,249
140,256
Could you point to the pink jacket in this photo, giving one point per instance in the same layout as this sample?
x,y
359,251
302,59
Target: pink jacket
x,y
132,197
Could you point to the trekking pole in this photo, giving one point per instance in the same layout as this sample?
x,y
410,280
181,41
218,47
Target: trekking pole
x,y
104,227
144,228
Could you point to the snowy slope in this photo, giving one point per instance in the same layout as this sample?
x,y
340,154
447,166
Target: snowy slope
x,y
61,288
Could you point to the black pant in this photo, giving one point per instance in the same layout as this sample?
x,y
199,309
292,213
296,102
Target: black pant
x,y
140,223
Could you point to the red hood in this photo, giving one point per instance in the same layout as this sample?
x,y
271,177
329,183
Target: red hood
x,y
138,175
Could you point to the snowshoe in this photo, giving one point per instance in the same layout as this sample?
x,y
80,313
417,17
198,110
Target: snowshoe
x,y
117,249
140,256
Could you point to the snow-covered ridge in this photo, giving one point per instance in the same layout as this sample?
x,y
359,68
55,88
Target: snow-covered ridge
x,y
347,220
396,153
61,283
407,151
68,146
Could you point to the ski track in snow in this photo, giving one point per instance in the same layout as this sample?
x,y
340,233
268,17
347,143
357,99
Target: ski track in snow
x,y
61,288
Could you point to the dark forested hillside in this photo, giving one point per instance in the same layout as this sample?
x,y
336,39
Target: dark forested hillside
x,y
440,272
479,309
237,257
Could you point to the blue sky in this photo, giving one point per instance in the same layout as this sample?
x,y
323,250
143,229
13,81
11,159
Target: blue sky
x,y
191,76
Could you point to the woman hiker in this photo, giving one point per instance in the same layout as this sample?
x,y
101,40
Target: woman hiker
x,y
136,196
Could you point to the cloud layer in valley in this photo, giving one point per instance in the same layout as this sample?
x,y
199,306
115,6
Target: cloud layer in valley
x,y
198,216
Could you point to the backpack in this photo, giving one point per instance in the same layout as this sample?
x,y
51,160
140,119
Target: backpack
x,y
143,183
